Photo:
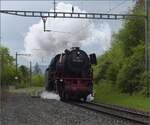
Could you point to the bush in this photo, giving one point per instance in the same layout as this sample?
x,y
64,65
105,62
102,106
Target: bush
x,y
128,79
38,80
111,73
22,84
145,77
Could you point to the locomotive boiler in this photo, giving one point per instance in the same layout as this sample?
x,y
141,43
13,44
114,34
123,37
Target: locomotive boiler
x,y
70,74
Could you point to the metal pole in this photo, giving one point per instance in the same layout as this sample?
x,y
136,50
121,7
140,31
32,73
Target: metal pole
x,y
44,22
16,63
44,26
30,73
0,42
54,6
0,63
146,35
1,72
147,43
148,31
0,69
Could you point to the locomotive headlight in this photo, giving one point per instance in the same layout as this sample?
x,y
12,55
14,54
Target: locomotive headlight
x,y
78,53
61,80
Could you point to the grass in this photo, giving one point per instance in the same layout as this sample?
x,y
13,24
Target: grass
x,y
106,93
26,90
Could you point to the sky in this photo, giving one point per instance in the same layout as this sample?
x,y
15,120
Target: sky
x,y
15,30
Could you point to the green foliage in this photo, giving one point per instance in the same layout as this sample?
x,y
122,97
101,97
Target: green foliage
x,y
24,73
8,75
123,64
145,77
38,77
7,67
129,75
38,80
22,84
6,58
8,72
24,70
29,90
108,93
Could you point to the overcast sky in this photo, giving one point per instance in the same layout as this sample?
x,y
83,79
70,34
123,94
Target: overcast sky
x,y
15,28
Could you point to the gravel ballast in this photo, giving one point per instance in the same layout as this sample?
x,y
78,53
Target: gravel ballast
x,y
21,109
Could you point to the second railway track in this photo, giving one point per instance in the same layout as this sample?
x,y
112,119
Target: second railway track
x,y
119,112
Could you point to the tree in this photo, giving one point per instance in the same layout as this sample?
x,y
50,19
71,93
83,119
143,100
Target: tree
x,y
7,67
126,70
24,73
37,69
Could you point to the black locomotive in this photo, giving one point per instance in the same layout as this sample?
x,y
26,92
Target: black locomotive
x,y
70,74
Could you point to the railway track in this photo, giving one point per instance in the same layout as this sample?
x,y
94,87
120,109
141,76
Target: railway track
x,y
122,113
116,111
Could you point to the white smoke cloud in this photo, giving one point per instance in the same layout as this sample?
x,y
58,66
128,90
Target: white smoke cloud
x,y
53,95
67,33
49,95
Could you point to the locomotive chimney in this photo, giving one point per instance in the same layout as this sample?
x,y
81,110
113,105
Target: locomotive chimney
x,y
75,48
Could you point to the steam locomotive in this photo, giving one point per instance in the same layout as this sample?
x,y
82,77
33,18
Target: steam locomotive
x,y
70,74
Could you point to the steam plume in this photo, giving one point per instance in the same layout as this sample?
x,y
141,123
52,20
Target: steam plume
x,y
67,33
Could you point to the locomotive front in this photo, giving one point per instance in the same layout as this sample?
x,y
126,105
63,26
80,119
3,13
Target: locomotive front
x,y
73,77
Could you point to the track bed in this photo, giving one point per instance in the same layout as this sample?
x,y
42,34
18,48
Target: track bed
x,y
21,109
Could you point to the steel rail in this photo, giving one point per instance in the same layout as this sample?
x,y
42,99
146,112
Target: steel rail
x,y
119,108
116,112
